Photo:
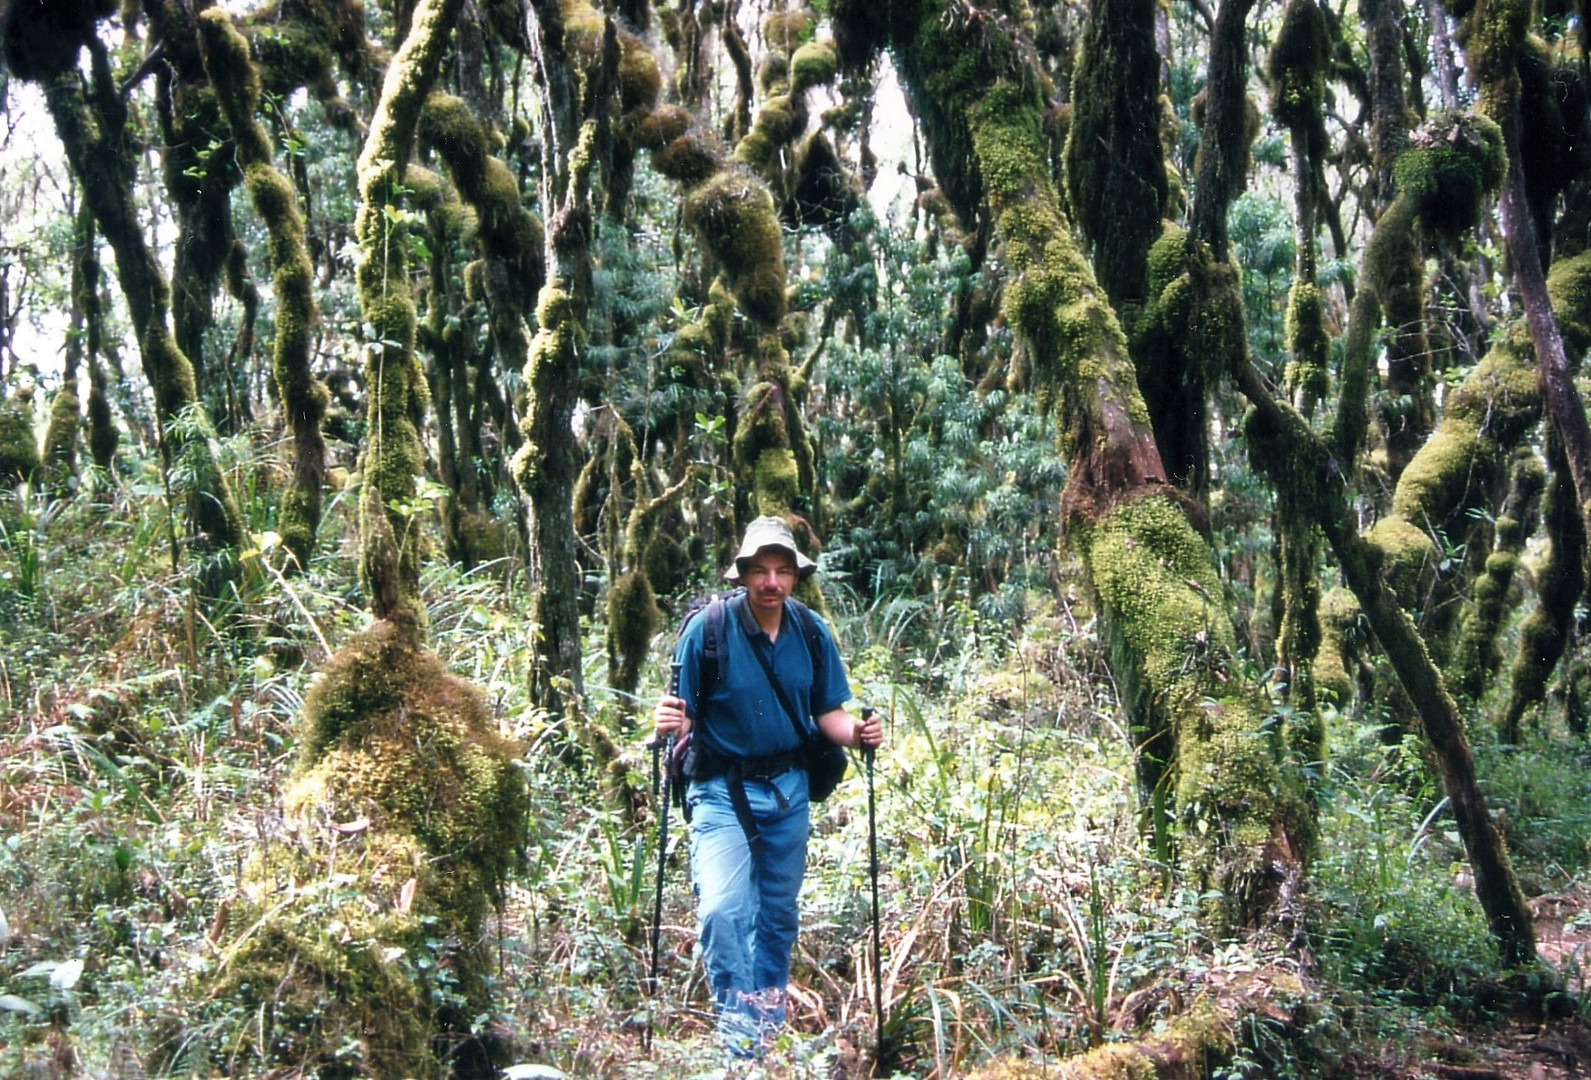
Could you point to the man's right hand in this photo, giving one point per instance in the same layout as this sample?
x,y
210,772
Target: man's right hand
x,y
669,717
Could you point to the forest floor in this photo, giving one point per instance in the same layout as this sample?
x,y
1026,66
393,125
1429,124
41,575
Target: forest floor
x,y
1525,1047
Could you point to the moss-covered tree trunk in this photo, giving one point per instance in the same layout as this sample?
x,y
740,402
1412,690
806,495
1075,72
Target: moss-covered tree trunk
x,y
303,398
1245,828
200,168
1115,167
1494,51
507,276
546,466
391,540
91,120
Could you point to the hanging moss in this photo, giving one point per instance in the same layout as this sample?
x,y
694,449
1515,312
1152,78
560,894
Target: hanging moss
x,y
1308,343
1487,414
1337,662
667,563
689,158
1478,657
1298,64
734,216
633,620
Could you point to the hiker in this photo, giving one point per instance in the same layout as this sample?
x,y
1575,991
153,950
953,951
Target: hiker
x,y
748,796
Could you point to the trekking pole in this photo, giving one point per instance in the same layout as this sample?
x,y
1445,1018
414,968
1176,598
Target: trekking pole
x,y
667,748
872,861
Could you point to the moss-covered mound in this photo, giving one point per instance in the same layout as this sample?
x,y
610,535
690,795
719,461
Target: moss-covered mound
x,y
19,453
360,944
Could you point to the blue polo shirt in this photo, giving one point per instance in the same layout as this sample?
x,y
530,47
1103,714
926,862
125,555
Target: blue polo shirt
x,y
742,716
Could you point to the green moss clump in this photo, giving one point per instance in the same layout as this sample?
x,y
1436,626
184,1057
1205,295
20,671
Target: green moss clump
x,y
658,127
1308,343
785,29
407,812
666,563
1298,64
640,80
19,452
690,158
633,619
734,216
1569,285
775,481
1340,624
816,63
60,436
1453,164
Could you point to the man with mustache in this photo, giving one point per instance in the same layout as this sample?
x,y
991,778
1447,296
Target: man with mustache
x,y
748,795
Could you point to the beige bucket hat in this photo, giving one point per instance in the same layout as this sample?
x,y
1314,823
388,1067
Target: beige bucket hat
x,y
769,532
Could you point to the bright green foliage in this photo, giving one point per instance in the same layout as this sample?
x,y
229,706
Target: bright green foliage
x,y
927,476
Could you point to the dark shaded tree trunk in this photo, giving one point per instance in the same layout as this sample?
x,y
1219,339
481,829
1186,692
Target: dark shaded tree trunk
x,y
91,122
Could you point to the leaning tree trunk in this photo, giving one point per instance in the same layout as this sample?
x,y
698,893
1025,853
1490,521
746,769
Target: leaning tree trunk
x,y
1289,451
1496,44
1245,827
91,121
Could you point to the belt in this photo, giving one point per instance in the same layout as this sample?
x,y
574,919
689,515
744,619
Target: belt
x,y
751,768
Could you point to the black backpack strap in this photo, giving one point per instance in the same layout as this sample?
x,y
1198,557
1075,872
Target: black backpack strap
x,y
813,635
714,647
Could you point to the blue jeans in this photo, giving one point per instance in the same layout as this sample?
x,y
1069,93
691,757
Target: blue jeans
x,y
747,900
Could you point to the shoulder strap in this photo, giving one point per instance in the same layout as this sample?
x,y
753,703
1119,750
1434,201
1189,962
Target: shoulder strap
x,y
784,698
812,633
714,647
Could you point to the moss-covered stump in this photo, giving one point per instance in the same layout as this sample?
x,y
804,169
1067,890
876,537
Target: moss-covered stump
x,y
19,452
359,941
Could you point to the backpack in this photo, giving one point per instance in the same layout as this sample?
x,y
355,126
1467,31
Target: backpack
x,y
825,761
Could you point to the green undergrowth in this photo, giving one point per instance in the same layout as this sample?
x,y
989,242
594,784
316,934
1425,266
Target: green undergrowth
x,y
146,739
